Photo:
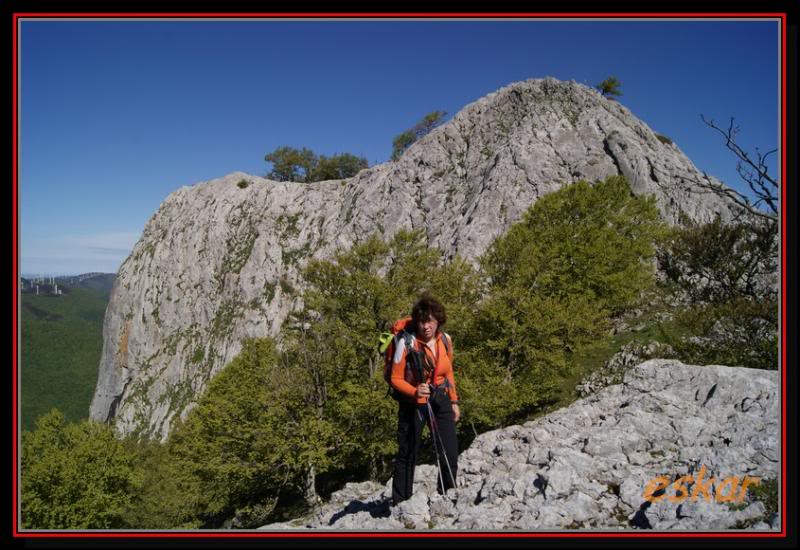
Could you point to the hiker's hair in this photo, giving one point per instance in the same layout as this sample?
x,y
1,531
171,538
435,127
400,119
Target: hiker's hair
x,y
427,306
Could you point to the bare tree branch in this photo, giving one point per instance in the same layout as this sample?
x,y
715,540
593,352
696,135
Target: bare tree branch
x,y
754,172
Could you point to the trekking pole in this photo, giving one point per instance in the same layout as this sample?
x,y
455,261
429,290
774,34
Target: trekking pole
x,y
435,449
435,428
431,421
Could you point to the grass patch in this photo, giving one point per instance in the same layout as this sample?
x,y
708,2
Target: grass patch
x,y
765,492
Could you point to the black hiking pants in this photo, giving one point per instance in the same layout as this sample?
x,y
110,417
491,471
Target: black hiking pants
x,y
410,421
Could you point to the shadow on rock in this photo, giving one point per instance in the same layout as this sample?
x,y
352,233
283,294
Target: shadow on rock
x,y
377,509
640,518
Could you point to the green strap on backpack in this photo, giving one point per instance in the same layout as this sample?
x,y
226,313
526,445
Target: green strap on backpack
x,y
384,340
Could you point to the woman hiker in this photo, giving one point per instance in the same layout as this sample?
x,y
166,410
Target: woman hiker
x,y
422,375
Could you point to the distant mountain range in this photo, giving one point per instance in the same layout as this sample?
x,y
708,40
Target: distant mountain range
x,y
47,284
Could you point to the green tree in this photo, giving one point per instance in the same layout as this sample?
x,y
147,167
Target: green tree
x,y
291,164
304,165
349,301
578,256
610,87
242,445
428,123
170,495
403,141
75,476
341,166
726,275
720,262
738,333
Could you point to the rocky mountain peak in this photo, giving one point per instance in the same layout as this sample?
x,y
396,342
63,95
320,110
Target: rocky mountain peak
x,y
220,260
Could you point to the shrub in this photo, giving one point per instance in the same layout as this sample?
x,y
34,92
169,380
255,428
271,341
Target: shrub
x,y
664,139
75,476
578,256
726,274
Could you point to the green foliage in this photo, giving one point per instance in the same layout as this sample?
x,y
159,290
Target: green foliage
x,y
349,301
291,164
75,476
243,184
610,87
766,492
592,241
402,141
719,262
337,167
62,340
170,496
428,123
198,355
303,165
726,272
742,333
577,257
241,444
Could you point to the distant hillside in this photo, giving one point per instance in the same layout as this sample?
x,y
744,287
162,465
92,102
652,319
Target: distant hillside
x,y
101,282
62,338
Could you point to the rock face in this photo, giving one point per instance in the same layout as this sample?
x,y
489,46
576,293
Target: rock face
x,y
220,261
614,370
587,466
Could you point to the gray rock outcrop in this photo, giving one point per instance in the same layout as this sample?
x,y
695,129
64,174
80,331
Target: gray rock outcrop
x,y
613,371
587,466
220,260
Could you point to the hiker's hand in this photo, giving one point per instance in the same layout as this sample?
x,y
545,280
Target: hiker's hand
x,y
456,413
423,390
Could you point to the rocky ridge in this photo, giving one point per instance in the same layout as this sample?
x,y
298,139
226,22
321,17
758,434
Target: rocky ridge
x,y
220,260
587,466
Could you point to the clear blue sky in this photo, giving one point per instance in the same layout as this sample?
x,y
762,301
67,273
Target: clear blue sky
x,y
115,115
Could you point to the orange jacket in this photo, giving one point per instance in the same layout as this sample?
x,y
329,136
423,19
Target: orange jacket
x,y
442,360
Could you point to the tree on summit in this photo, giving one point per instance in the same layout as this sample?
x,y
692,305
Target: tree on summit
x,y
403,141
610,87
304,165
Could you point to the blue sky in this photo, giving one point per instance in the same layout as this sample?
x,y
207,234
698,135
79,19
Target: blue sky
x,y
115,115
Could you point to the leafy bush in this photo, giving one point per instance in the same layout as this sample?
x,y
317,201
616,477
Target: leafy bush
x,y
719,262
349,301
610,87
578,256
740,333
726,274
241,445
75,476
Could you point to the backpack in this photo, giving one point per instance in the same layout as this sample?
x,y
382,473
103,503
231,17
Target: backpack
x,y
402,334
